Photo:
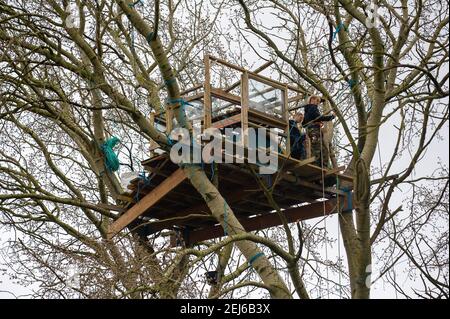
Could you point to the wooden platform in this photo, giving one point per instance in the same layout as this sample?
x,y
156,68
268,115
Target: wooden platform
x,y
168,201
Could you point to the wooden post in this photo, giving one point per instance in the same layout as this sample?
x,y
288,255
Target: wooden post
x,y
145,203
285,112
169,119
207,94
244,108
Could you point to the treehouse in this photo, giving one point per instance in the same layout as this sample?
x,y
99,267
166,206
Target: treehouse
x,y
165,200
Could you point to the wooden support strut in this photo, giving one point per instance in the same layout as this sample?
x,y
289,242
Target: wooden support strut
x,y
309,211
147,202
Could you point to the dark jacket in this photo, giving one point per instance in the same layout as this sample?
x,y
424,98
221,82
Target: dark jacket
x,y
312,115
297,141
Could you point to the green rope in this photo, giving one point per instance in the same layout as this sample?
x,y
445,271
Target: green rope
x,y
111,160
339,28
253,259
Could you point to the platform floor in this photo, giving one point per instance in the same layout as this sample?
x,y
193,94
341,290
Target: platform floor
x,y
297,191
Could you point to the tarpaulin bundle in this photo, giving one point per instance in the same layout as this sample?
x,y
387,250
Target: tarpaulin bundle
x,y
111,160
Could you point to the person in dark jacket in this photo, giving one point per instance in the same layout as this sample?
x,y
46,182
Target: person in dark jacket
x,y
313,124
297,137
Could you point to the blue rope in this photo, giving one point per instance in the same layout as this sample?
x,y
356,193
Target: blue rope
x,y
149,37
338,29
170,140
132,5
111,159
253,259
180,100
169,81
351,83
348,192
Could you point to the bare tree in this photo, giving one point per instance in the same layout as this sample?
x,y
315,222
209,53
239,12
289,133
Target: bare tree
x,y
73,78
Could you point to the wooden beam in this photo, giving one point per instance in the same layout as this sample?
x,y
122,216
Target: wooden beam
x,y
207,106
176,218
244,108
272,120
326,173
316,209
257,70
227,121
147,202
194,88
286,118
226,96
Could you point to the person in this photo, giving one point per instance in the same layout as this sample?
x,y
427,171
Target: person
x,y
313,123
297,137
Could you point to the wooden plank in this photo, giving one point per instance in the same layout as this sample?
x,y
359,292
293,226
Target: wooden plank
x,y
266,80
180,217
286,118
169,119
224,95
225,63
266,117
255,74
293,88
295,99
244,108
345,177
257,70
194,97
207,120
148,201
312,210
227,121
326,173
194,88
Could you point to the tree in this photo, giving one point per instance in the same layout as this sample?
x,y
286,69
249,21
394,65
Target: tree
x,y
71,79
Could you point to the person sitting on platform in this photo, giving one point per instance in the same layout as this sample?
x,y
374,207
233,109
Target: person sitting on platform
x,y
297,137
313,123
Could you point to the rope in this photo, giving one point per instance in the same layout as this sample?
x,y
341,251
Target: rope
x,y
351,83
254,258
324,209
132,5
149,37
170,81
348,194
339,237
111,159
338,29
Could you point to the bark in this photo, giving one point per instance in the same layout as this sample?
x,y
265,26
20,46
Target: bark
x,y
215,202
